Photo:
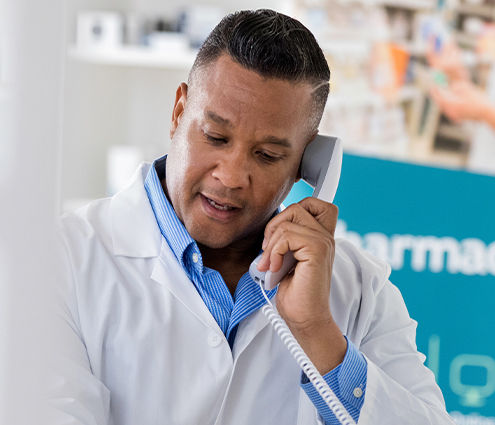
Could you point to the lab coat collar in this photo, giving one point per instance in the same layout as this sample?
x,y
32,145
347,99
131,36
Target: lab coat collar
x,y
135,232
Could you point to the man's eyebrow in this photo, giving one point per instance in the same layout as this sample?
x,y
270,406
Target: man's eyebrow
x,y
269,139
217,118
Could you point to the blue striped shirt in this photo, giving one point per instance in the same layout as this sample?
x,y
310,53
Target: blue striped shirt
x,y
346,380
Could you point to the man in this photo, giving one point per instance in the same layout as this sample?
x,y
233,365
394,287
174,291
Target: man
x,y
164,322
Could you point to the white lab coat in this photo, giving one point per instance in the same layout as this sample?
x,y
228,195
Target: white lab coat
x,y
141,348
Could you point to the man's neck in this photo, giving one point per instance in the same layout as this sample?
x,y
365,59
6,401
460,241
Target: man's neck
x,y
232,261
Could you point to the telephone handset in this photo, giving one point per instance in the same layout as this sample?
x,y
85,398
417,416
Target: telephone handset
x,y
320,168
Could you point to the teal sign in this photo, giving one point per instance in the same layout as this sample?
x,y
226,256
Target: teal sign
x,y
436,228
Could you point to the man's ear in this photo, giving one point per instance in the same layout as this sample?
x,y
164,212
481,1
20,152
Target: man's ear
x,y
299,174
179,107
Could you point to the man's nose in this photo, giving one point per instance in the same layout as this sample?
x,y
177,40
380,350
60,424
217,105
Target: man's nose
x,y
233,170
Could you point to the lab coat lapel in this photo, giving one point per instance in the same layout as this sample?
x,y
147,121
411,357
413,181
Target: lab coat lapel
x,y
247,331
135,233
168,272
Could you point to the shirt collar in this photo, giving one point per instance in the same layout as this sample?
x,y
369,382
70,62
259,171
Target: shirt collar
x,y
172,229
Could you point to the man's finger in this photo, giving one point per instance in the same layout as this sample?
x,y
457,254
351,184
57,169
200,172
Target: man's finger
x,y
283,229
324,213
294,213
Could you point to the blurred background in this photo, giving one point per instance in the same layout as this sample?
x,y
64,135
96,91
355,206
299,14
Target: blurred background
x,y
125,59
412,98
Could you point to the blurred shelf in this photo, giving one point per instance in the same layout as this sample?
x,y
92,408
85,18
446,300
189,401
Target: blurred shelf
x,y
480,10
465,39
439,159
395,151
371,98
414,5
137,56
414,151
407,4
421,152
454,132
339,44
413,48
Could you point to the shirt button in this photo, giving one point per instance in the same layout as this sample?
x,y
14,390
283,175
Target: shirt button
x,y
214,340
195,257
358,392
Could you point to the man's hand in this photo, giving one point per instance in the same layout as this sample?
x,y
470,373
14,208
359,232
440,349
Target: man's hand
x,y
307,229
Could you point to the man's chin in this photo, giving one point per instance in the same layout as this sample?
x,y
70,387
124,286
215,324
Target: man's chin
x,y
213,244
221,240
214,240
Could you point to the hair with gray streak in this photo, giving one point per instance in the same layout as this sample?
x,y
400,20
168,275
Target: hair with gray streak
x,y
273,45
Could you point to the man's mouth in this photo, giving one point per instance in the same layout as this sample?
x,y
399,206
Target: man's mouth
x,y
223,207
218,206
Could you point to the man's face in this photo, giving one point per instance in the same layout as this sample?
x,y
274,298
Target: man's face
x,y
237,142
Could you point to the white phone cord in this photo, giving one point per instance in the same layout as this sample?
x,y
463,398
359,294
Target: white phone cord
x,y
305,363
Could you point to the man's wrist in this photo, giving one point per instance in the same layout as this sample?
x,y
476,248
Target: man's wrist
x,y
323,343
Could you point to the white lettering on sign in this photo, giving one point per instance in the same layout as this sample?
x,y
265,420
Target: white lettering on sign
x,y
469,256
471,419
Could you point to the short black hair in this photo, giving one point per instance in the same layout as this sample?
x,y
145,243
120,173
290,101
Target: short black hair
x,y
272,44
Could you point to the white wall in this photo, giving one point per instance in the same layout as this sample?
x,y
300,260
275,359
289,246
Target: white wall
x,y
32,34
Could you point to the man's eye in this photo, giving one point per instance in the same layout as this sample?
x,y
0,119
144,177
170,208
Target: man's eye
x,y
267,157
215,139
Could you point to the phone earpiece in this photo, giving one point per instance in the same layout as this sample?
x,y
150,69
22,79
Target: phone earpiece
x,y
320,167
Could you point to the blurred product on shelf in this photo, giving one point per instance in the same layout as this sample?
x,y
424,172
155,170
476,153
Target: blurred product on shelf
x,y
100,29
389,64
167,41
113,29
368,48
377,53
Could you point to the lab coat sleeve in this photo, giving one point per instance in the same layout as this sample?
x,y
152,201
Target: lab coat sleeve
x,y
78,397
399,389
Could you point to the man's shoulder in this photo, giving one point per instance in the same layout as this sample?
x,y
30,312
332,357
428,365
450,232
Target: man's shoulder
x,y
87,225
121,221
87,220
358,267
359,283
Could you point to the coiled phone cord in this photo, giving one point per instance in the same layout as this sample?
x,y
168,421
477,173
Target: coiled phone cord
x,y
305,363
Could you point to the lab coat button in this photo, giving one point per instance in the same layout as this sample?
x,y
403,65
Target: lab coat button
x,y
358,392
195,257
214,340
